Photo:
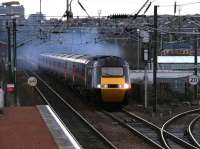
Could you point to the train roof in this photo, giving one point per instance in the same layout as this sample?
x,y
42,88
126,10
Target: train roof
x,y
78,57
70,57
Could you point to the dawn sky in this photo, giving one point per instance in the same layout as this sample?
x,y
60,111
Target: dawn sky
x,y
57,7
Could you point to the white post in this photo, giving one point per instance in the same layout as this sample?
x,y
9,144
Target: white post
x,y
145,86
145,78
1,98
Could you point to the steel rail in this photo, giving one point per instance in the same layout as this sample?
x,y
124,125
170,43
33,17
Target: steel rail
x,y
163,129
111,145
148,123
156,127
135,131
190,131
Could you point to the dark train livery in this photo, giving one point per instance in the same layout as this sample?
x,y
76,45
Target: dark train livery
x,y
105,76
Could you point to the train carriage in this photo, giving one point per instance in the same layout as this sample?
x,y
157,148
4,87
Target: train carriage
x,y
106,77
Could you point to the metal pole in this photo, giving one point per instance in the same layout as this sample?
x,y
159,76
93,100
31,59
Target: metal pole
x,y
145,85
138,50
14,58
99,16
155,61
9,54
161,41
195,66
40,16
40,9
197,63
67,12
146,58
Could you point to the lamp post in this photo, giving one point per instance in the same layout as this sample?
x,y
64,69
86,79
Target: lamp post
x,y
155,60
195,39
195,66
67,6
14,41
99,16
9,53
40,17
40,9
15,59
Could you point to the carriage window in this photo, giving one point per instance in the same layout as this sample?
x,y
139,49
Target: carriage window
x,y
111,71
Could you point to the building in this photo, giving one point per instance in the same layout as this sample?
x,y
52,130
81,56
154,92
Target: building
x,y
34,23
36,18
12,8
8,11
177,49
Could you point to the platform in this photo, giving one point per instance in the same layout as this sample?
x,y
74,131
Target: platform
x,y
34,127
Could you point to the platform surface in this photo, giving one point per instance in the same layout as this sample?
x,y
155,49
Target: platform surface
x,y
24,128
61,134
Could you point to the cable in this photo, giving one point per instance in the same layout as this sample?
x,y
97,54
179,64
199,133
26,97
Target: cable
x,y
83,8
147,8
183,4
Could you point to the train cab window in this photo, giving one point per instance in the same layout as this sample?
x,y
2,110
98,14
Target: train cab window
x,y
111,71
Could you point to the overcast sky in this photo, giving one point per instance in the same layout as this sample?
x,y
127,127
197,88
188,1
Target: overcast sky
x,y
107,7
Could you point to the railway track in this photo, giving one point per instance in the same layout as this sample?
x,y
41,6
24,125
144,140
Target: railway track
x,y
97,113
86,134
148,131
194,135
151,133
178,126
139,126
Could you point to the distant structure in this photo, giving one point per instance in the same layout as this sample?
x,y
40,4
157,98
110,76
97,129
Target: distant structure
x,y
8,11
35,18
34,22
177,49
12,8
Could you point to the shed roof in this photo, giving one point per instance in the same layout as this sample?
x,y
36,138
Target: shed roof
x,y
177,59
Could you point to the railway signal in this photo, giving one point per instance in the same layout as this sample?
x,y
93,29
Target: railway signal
x,y
10,88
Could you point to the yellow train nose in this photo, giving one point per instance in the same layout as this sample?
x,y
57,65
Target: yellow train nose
x,y
116,80
112,93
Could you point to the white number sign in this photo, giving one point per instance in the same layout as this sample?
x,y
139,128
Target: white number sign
x,y
32,81
193,79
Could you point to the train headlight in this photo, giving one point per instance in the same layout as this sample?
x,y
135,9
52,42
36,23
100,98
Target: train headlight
x,y
120,86
126,86
98,85
104,85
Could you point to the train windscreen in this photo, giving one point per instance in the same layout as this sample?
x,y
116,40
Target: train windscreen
x,y
111,71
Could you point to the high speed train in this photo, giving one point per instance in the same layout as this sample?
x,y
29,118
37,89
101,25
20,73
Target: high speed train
x,y
104,78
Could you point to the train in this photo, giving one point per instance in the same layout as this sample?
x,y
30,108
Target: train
x,y
103,78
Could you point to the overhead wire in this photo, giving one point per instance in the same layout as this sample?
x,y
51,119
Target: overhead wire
x,y
150,27
147,8
180,4
83,8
